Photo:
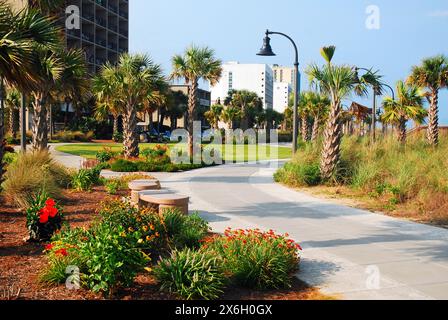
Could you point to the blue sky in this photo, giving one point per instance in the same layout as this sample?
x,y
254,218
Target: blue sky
x,y
409,30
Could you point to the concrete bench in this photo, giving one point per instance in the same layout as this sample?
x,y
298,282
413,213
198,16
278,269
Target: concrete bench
x,y
142,185
164,200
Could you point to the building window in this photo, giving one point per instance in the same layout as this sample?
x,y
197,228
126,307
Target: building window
x,y
230,80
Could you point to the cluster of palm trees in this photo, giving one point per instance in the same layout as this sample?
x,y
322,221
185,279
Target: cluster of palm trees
x,y
34,62
244,107
335,83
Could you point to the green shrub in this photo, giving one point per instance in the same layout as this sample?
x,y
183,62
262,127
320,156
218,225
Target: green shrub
x,y
85,179
191,274
117,137
113,259
256,259
33,172
122,165
113,186
105,155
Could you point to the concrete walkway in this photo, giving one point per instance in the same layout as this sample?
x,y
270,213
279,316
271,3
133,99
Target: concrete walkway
x,y
68,160
348,252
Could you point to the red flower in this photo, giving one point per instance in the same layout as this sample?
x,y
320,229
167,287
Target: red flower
x,y
49,247
50,203
43,216
62,252
50,211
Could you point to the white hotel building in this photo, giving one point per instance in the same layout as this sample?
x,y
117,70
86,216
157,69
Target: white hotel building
x,y
282,90
258,78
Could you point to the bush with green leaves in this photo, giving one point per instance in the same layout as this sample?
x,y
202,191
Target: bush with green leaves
x,y
113,258
191,274
112,186
255,259
122,165
85,179
105,155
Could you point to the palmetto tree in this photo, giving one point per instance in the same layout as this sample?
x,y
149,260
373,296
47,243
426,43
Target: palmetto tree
x,y
136,82
214,115
108,101
432,75
337,82
248,102
408,106
46,6
195,64
48,65
318,110
13,99
230,114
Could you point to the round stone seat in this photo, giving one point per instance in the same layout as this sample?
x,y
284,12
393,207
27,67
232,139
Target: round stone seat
x,y
142,185
165,200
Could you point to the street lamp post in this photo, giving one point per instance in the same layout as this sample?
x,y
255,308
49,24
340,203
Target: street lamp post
x,y
266,51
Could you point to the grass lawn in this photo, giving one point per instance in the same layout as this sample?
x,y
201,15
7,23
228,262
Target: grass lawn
x,y
241,152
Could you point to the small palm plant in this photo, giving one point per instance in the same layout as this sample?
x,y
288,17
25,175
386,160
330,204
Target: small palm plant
x,y
432,75
408,106
195,64
214,115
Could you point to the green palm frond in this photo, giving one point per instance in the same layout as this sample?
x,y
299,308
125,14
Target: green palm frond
x,y
327,53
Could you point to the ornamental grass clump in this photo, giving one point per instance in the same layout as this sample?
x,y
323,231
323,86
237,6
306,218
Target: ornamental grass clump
x,y
191,274
31,173
256,259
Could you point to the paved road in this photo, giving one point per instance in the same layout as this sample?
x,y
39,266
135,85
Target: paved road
x,y
349,252
68,160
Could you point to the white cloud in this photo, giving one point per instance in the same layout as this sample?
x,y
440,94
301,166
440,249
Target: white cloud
x,y
439,13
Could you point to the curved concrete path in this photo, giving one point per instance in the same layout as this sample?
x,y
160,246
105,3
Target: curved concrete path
x,y
68,160
352,253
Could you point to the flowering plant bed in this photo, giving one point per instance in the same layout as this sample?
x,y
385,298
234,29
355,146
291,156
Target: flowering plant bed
x,y
26,266
44,217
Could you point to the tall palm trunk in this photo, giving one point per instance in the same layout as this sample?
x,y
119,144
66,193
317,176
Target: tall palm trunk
x,y
40,128
332,143
115,129
12,123
2,127
433,126
305,128
402,132
316,126
130,138
192,100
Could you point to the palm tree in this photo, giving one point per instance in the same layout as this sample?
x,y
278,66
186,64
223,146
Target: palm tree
x,y
105,89
337,82
48,65
319,112
408,106
248,102
19,33
74,83
214,115
13,104
305,105
136,82
196,64
432,75
231,114
46,6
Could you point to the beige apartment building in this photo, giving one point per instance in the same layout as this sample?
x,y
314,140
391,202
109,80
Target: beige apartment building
x,y
284,75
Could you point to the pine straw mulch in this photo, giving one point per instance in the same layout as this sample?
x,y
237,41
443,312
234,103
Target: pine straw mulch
x,y
21,262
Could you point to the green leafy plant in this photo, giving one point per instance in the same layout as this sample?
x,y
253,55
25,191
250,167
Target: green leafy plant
x,y
122,165
113,186
255,259
105,155
43,217
85,179
113,258
191,274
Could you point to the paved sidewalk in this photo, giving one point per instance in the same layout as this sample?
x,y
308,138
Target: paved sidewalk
x,y
68,160
348,252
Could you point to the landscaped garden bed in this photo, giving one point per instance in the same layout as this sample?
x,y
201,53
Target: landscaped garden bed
x,y
61,228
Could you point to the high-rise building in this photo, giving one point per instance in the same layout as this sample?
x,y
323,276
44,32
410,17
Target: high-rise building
x,y
282,91
257,78
103,31
285,74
